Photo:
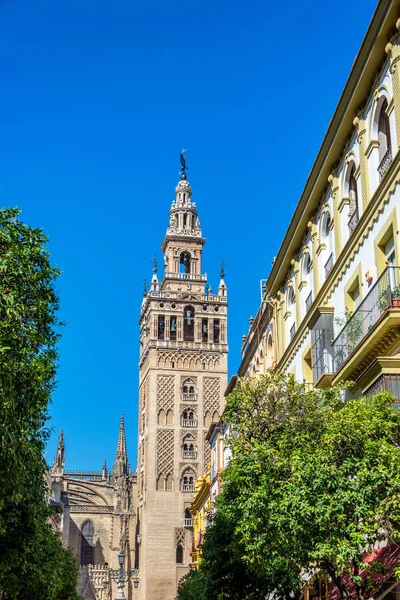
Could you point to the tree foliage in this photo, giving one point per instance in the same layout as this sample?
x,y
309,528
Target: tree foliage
x,y
33,563
313,483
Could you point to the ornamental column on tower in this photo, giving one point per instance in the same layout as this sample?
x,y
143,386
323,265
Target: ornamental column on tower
x,y
183,375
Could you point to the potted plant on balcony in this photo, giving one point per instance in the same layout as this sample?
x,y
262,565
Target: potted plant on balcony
x,y
351,333
396,297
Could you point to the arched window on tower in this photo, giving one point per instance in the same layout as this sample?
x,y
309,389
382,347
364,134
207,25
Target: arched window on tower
x,y
87,545
184,262
161,327
384,140
187,481
179,554
189,390
172,330
188,323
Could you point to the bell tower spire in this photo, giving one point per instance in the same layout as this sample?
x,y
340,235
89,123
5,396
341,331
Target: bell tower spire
x,y
121,456
183,242
59,460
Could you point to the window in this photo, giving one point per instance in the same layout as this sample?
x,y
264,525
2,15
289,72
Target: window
x,y
179,554
170,417
321,348
161,327
204,330
383,131
188,390
172,330
184,262
216,331
169,483
353,197
188,479
87,546
188,326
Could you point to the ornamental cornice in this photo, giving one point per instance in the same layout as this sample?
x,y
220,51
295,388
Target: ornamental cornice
x,y
345,200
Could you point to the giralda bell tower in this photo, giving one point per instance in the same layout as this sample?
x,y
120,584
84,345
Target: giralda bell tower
x,y
183,375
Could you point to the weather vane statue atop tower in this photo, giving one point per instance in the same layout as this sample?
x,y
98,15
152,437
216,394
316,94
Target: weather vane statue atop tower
x,y
183,163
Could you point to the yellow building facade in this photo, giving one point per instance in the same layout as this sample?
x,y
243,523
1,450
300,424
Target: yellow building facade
x,y
201,512
330,309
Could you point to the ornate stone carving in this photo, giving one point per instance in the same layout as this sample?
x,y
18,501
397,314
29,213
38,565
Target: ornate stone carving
x,y
165,451
165,392
212,394
75,508
179,536
207,451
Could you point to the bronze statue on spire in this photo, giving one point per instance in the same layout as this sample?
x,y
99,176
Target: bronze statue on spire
x,y
183,164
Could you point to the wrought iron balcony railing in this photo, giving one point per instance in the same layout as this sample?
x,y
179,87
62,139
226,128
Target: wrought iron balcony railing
x,y
321,354
329,265
385,163
383,295
353,221
308,301
189,423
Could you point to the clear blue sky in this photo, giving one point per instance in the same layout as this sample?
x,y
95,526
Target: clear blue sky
x,y
97,100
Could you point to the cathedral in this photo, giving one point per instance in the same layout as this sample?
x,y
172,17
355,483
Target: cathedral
x,y
182,378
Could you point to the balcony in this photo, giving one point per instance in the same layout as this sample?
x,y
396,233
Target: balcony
x,y
189,454
328,265
385,163
188,423
386,383
187,487
188,523
308,301
370,315
186,276
189,397
353,221
321,355
292,331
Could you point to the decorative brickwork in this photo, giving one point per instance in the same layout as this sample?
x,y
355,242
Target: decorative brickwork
x,y
165,392
165,451
207,451
179,536
212,394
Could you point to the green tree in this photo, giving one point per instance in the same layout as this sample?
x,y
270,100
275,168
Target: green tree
x,y
33,563
313,484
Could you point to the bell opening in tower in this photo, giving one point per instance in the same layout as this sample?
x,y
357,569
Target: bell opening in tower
x,y
184,263
188,330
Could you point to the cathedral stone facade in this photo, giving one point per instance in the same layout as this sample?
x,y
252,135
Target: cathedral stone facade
x,y
99,519
183,375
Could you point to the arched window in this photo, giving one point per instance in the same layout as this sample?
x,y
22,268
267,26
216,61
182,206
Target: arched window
x,y
172,328
169,483
291,309
189,390
353,197
87,545
187,482
384,140
161,417
184,262
207,419
326,238
188,323
179,554
307,278
161,327
170,417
